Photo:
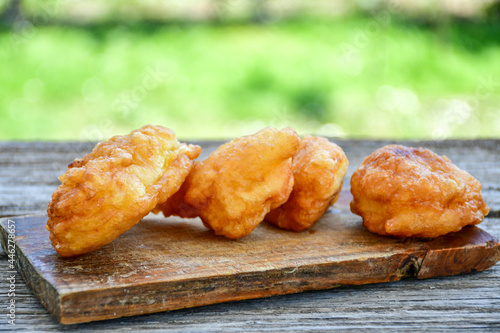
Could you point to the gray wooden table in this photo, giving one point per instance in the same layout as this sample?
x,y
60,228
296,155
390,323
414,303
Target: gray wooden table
x,y
28,176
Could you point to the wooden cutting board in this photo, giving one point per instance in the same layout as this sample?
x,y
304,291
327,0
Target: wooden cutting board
x,y
166,264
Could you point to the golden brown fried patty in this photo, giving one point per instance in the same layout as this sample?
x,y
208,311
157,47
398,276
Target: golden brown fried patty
x,y
412,192
319,167
115,186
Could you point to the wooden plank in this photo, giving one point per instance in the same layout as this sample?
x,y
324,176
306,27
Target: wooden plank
x,y
468,302
29,170
471,302
165,264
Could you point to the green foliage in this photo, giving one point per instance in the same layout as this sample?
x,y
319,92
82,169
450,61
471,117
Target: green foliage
x,y
355,76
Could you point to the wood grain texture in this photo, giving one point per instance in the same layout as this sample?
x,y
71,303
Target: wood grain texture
x,y
167,264
471,302
29,170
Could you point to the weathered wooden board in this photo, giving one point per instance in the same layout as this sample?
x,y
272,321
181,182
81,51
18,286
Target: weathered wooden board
x,y
165,264
470,302
29,170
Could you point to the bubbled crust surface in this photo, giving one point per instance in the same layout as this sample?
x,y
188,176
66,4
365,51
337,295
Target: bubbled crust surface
x,y
319,167
111,189
412,192
239,183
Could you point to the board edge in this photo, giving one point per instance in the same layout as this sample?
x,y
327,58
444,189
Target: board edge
x,y
38,285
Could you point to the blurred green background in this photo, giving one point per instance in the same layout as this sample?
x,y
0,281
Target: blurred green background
x,y
87,70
